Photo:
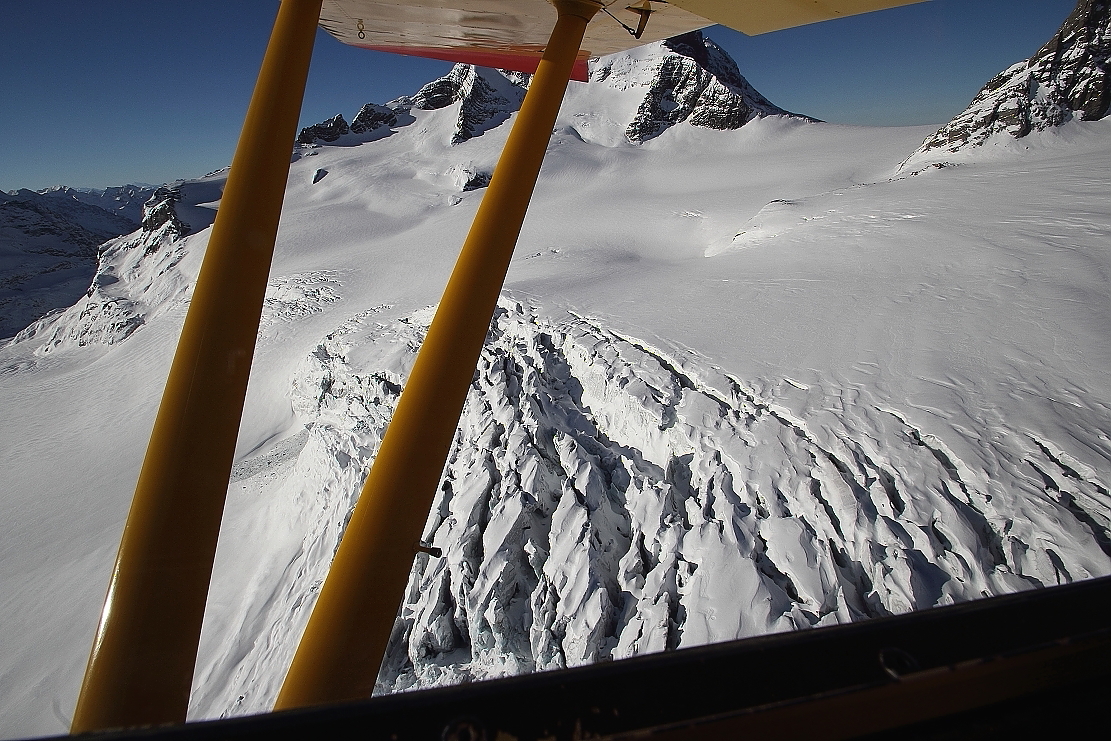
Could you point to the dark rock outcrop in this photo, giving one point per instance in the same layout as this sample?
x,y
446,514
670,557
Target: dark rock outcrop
x,y
327,131
160,210
1066,79
373,116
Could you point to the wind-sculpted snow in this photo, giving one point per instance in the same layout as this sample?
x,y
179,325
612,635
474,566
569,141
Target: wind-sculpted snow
x,y
605,498
1067,78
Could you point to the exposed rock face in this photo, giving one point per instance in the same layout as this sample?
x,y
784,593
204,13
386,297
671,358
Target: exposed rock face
x,y
693,80
327,131
160,210
1066,79
487,98
373,116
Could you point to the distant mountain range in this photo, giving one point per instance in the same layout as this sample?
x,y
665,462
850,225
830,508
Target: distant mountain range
x,y
49,238
686,78
48,246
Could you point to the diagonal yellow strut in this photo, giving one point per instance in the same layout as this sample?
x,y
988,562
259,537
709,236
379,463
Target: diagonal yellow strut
x,y
343,645
142,661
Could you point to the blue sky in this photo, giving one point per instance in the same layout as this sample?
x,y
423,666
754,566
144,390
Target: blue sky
x,y
116,91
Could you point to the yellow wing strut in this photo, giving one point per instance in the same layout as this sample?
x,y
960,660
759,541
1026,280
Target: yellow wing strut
x,y
145,649
346,637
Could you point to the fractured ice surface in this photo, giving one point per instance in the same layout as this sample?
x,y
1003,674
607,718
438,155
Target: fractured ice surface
x,y
604,498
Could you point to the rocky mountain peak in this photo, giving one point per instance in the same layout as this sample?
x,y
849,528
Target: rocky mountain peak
x,y
373,116
687,78
328,131
160,211
1066,79
487,97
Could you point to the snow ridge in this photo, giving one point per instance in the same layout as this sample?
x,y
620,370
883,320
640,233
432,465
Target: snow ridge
x,y
605,498
1067,78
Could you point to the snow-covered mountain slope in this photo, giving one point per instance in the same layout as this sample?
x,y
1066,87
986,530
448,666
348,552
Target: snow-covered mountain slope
x,y
48,248
1068,78
136,277
872,396
482,97
52,241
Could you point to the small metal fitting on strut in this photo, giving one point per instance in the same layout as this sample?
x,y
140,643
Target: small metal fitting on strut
x,y
429,549
643,9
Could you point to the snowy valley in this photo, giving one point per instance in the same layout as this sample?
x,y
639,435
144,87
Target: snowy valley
x,y
751,372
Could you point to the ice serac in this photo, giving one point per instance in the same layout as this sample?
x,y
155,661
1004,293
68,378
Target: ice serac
x,y
689,78
1066,79
606,498
135,276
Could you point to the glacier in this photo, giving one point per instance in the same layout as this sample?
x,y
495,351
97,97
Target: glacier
x,y
741,380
